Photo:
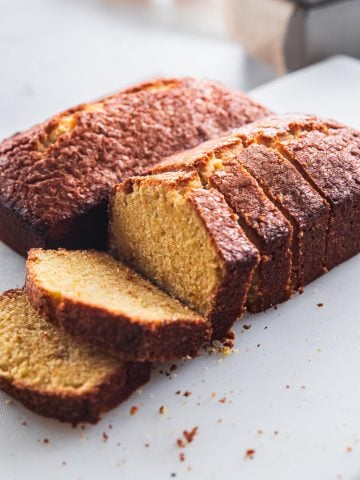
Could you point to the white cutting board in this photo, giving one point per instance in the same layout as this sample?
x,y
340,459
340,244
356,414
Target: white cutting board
x,y
292,390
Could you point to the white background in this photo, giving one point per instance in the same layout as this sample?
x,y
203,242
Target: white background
x,y
291,387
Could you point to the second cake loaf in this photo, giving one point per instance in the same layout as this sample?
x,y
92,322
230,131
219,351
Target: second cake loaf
x,y
55,177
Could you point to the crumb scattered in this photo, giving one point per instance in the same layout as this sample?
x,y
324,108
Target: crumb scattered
x,y
213,394
220,420
349,449
191,434
301,290
182,457
276,432
187,393
163,410
265,328
134,410
250,453
172,475
258,345
173,367
24,424
46,441
320,305
275,307
246,327
177,392
105,437
287,386
147,445
303,387
110,426
180,443
222,400
260,432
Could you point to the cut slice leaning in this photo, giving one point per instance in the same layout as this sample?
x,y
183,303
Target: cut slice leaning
x,y
54,375
95,297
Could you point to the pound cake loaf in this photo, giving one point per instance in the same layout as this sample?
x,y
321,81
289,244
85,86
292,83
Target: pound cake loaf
x,y
55,177
293,181
52,374
187,240
263,223
95,297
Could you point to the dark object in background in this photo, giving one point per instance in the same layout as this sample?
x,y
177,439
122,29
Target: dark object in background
x,y
292,34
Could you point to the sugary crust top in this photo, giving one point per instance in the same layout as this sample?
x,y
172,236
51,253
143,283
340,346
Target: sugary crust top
x,y
49,174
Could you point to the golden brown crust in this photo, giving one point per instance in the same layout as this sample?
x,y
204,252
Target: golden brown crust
x,y
82,407
131,339
326,153
57,181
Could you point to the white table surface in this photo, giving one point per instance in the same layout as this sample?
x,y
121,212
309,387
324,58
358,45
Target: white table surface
x,y
291,387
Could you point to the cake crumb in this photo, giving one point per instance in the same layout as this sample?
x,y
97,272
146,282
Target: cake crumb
x,y
213,394
349,449
105,437
260,432
24,424
46,441
320,305
191,434
182,457
246,327
180,443
163,410
177,392
187,393
250,453
134,410
276,432
147,445
222,400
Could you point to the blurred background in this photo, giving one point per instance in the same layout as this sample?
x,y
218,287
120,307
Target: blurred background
x,y
55,53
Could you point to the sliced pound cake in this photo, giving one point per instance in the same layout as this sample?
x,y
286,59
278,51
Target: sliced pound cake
x,y
95,297
186,239
263,223
54,375
327,155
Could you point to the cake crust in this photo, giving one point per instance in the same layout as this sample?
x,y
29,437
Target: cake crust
x,y
56,176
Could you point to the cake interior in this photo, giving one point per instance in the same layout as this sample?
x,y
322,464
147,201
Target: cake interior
x,y
37,355
98,280
157,228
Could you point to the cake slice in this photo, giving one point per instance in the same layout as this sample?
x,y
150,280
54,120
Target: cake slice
x,y
53,374
186,239
299,202
94,297
263,223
